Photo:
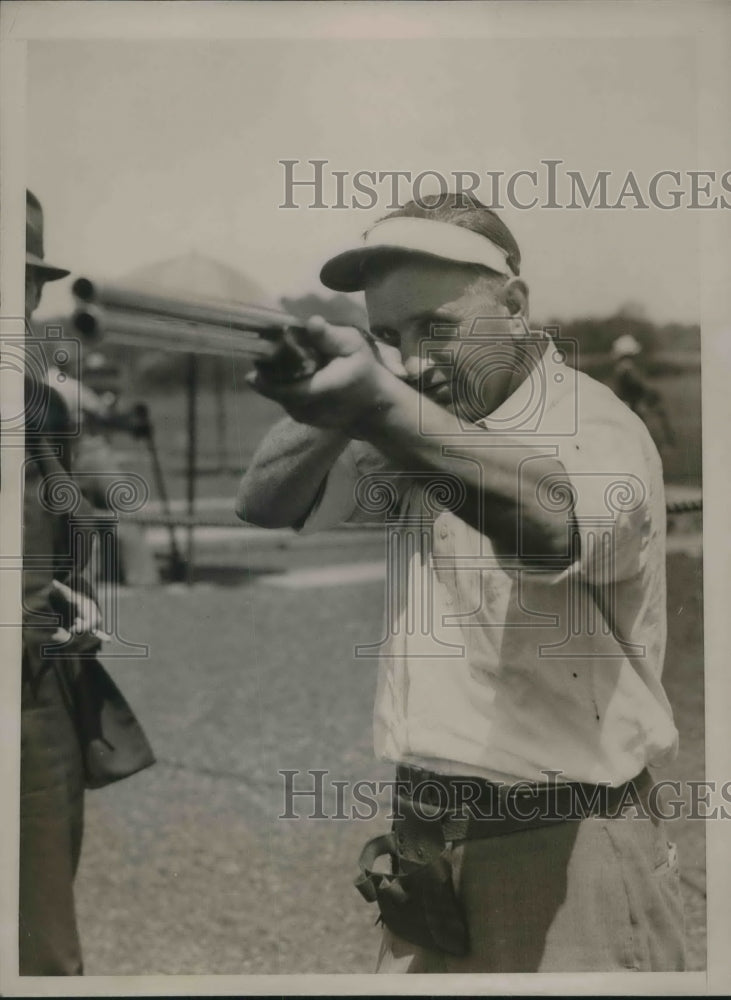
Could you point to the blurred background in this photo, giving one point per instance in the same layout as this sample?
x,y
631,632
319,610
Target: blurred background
x,y
157,165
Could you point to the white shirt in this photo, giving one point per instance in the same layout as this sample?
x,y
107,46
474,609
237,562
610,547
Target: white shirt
x,y
498,671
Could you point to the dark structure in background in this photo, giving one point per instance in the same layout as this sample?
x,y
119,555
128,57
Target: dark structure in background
x,y
196,326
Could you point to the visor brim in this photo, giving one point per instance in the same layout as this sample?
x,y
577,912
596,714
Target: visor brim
x,y
347,271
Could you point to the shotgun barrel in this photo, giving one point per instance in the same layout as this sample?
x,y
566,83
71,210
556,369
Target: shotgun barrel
x,y
231,315
228,329
138,329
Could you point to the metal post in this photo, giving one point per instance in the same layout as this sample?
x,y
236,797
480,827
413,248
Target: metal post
x,y
176,564
191,463
219,393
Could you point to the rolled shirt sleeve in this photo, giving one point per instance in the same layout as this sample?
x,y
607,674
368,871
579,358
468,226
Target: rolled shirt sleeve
x,y
337,500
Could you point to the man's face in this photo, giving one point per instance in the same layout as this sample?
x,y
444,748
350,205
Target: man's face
x,y
33,289
429,310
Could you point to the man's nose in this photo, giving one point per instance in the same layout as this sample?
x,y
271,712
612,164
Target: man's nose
x,y
414,366
391,357
417,364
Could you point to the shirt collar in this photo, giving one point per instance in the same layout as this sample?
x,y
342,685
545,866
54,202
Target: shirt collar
x,y
546,376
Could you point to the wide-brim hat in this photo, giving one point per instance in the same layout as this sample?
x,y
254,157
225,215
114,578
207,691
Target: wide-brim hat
x,y
34,241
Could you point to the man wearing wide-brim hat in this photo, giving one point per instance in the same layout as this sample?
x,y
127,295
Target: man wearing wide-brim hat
x,y
77,731
34,256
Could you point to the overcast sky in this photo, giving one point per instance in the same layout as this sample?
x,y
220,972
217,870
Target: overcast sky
x,y
142,151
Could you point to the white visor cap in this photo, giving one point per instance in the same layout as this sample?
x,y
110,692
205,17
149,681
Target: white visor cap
x,y
441,240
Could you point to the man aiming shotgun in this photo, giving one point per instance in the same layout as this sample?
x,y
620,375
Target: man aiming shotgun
x,y
531,506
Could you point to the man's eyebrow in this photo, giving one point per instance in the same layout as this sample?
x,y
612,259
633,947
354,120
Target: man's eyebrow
x,y
434,316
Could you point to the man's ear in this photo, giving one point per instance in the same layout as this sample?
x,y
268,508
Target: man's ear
x,y
515,296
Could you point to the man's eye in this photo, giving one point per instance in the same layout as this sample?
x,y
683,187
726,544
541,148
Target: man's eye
x,y
389,337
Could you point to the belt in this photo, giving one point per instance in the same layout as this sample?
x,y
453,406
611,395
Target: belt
x,y
469,808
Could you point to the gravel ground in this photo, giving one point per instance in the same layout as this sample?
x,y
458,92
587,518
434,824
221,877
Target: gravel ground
x,y
186,868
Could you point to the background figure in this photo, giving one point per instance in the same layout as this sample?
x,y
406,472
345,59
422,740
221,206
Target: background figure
x,y
633,389
69,705
96,462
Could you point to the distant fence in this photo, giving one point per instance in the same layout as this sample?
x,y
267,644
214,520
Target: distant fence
x,y
684,506
222,521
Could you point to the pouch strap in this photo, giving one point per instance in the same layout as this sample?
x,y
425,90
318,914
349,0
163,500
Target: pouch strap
x,y
368,880
419,905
